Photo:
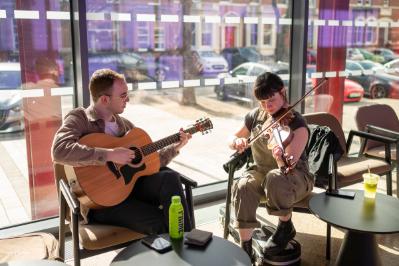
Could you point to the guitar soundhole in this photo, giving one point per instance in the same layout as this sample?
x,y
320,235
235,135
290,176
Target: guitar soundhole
x,y
138,157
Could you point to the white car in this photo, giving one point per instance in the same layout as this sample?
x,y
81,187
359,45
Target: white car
x,y
392,67
11,116
210,64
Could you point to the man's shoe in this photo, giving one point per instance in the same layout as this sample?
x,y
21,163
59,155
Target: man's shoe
x,y
277,242
247,247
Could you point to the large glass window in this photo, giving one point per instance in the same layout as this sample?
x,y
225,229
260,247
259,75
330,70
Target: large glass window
x,y
189,56
366,72
179,58
35,92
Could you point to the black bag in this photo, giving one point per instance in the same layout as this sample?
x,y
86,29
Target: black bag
x,y
322,142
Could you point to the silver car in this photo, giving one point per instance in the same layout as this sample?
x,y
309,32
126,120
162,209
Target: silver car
x,y
11,116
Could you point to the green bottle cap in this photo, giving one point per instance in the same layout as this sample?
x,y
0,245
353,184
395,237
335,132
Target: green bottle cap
x,y
175,199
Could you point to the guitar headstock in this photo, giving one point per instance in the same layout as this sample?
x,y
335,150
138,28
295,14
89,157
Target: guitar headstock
x,y
203,125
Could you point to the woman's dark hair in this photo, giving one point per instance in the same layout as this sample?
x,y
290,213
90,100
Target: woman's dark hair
x,y
266,85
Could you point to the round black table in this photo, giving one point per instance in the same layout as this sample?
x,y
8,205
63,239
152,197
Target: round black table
x,y
362,218
218,252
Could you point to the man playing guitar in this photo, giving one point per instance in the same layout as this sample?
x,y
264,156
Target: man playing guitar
x,y
146,208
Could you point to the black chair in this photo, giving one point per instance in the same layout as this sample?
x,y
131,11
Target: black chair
x,y
97,238
368,118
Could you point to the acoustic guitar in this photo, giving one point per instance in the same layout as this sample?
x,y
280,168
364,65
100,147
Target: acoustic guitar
x,y
109,185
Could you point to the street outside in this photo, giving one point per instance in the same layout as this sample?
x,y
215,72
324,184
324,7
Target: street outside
x,y
160,113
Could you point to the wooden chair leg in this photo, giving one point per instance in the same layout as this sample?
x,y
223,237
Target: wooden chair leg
x,y
75,238
190,203
61,229
228,202
328,242
389,183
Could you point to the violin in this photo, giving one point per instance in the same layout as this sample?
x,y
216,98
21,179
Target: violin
x,y
279,134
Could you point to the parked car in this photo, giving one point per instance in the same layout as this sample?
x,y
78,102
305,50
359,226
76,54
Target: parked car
x,y
392,67
386,53
132,65
378,85
236,56
11,116
370,56
353,91
246,74
371,65
354,54
210,63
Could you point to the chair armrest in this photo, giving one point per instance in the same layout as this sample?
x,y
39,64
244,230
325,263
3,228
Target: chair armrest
x,y
238,160
370,136
382,131
186,180
69,197
367,136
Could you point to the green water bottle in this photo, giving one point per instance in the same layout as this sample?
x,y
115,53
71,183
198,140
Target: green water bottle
x,y
176,218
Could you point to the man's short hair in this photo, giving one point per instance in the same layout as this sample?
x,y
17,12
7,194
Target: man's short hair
x,y
101,82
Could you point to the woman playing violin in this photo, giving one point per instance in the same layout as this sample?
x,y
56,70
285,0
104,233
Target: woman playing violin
x,y
280,171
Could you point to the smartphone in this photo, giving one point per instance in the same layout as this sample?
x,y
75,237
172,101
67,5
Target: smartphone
x,y
157,243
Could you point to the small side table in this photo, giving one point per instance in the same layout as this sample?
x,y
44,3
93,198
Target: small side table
x,y
362,218
218,252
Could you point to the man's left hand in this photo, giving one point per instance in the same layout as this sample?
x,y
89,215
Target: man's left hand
x,y
184,137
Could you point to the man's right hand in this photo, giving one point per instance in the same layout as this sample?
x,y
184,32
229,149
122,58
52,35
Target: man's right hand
x,y
120,155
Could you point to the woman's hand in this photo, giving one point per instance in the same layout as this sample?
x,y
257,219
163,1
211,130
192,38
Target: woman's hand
x,y
184,137
277,152
240,144
283,159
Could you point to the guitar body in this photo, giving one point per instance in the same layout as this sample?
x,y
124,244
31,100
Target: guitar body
x,y
100,186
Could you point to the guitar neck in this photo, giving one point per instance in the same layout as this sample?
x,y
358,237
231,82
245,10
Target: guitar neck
x,y
162,143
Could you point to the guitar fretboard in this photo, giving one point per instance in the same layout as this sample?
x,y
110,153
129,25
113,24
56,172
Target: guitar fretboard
x,y
159,144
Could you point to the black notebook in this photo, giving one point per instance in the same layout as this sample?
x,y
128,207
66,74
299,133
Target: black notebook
x,y
198,237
